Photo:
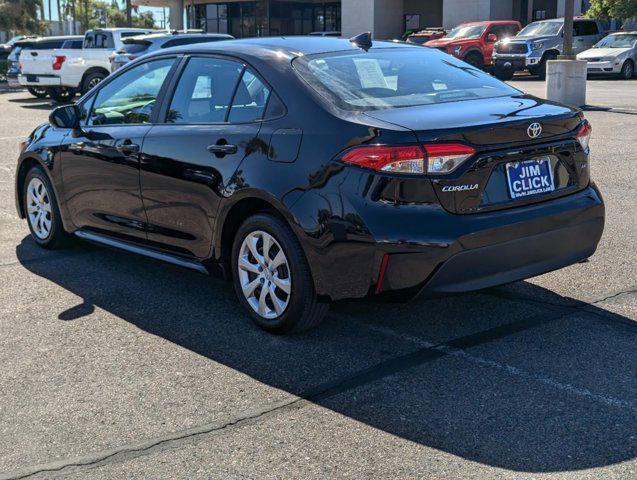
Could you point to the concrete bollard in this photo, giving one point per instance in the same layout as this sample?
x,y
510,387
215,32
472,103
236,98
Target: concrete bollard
x,y
566,81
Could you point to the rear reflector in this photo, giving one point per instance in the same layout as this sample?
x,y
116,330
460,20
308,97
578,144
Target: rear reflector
x,y
381,273
584,135
58,60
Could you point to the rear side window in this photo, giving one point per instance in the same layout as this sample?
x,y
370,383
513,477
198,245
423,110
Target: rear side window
x,y
250,99
46,45
584,28
72,44
204,91
99,40
130,97
395,77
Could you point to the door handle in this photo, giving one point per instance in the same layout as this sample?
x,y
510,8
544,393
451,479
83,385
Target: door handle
x,y
128,148
222,149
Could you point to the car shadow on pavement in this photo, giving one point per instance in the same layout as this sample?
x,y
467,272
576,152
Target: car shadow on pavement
x,y
515,377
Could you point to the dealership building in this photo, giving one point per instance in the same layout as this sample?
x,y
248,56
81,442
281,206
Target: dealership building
x,y
384,18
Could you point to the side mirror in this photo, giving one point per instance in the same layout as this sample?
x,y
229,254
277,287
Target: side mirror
x,y
66,116
492,38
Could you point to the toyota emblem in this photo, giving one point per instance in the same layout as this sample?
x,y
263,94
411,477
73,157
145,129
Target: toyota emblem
x,y
534,130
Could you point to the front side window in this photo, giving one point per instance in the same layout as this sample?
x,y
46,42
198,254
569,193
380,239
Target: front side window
x,y
99,40
204,91
395,77
130,97
581,29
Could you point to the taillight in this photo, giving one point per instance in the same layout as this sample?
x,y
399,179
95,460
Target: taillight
x,y
58,61
384,158
583,135
435,158
446,157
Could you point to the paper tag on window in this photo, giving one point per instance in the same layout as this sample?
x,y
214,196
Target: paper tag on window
x,y
370,73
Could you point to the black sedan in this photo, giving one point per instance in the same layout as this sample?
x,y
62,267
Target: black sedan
x,y
310,170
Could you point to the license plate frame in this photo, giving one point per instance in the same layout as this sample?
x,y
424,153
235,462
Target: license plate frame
x,y
33,79
533,176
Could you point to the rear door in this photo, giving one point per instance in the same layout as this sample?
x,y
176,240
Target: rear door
x,y
585,35
210,124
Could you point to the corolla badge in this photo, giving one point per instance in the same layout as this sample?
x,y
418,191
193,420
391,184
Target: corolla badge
x,y
534,130
459,188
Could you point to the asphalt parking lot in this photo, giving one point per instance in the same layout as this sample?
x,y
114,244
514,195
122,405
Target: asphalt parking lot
x,y
116,366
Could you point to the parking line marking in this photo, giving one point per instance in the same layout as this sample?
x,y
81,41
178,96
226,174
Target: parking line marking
x,y
448,348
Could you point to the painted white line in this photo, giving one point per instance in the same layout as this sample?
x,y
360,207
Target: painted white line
x,y
510,369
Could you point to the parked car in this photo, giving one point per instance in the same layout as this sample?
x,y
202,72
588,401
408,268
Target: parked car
x,y
539,42
615,53
8,46
473,41
423,36
316,169
73,70
36,60
139,45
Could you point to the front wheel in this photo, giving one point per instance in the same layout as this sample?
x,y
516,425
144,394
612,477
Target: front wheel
x,y
475,60
503,73
41,209
627,71
272,277
38,92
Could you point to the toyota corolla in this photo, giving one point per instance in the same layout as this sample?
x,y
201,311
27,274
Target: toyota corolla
x,y
310,170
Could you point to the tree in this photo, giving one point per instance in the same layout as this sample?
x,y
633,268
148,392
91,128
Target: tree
x,y
607,9
21,16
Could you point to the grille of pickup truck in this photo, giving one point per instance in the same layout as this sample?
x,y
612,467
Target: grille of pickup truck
x,y
511,48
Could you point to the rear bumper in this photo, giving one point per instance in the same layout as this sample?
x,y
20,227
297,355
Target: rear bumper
x,y
432,251
12,80
39,80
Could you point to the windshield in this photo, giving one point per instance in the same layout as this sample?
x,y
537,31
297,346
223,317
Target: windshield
x,y
617,41
466,31
537,29
396,77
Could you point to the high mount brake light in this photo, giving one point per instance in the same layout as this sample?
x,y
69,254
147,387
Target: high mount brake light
x,y
583,135
58,61
434,158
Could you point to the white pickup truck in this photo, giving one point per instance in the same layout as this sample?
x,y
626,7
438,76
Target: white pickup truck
x,y
64,72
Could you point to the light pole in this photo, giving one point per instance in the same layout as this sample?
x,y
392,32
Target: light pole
x,y
567,50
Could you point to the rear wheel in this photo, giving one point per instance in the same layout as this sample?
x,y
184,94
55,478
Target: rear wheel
x,y
62,94
475,59
272,277
628,70
91,80
38,92
41,209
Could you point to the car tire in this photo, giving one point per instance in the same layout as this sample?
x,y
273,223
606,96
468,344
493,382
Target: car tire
x,y
38,92
502,73
259,271
42,211
540,71
91,80
628,70
475,60
62,94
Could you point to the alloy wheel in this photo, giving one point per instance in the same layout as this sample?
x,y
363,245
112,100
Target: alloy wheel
x,y
94,81
264,274
39,208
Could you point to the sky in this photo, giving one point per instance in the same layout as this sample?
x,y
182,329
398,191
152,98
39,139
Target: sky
x,y
157,12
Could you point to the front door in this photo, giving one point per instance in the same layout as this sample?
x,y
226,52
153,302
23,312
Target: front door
x,y
189,162
100,161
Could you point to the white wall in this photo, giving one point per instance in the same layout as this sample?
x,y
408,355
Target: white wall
x,y
384,18
458,11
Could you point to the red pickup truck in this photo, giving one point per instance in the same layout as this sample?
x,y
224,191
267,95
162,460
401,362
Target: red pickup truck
x,y
473,41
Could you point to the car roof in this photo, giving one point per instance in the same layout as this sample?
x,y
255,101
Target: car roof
x,y
490,22
59,37
162,35
120,29
293,46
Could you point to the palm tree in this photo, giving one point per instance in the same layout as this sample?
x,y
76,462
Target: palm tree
x,y
60,17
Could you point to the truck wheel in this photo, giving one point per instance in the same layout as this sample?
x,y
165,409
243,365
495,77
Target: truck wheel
x,y
541,68
62,94
38,92
503,73
475,60
91,80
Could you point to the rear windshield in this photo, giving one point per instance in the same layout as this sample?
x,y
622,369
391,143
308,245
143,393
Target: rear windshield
x,y
134,46
396,77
